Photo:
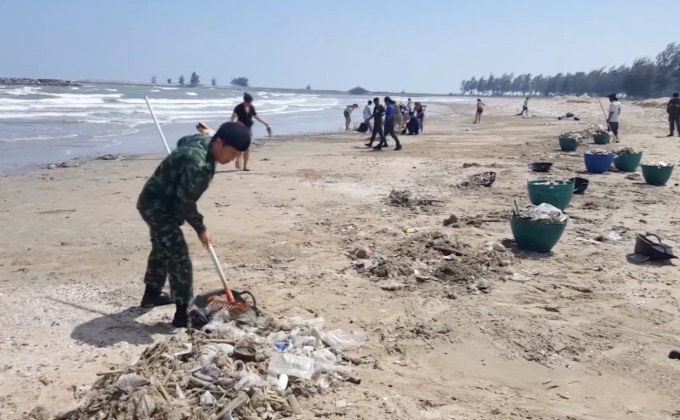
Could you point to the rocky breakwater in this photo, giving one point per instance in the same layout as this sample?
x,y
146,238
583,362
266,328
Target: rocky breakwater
x,y
8,81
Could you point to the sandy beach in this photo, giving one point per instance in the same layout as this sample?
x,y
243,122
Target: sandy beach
x,y
577,334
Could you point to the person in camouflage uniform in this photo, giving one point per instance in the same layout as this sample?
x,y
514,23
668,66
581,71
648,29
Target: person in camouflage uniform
x,y
169,198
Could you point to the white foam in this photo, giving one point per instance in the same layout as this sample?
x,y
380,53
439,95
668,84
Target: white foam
x,y
112,90
191,93
154,90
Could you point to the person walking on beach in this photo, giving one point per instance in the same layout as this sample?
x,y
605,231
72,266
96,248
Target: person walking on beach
x,y
244,113
168,199
614,114
390,113
673,109
367,115
525,108
378,111
347,113
480,111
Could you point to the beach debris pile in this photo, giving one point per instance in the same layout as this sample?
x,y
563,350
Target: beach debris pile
x,y
598,151
543,212
481,179
405,198
659,164
433,256
625,151
258,368
585,134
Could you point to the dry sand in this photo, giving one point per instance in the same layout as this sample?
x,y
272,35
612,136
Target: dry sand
x,y
583,335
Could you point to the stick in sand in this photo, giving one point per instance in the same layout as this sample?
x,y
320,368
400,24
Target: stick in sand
x,y
607,120
158,126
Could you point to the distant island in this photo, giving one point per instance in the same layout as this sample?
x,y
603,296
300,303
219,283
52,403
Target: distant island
x,y
9,81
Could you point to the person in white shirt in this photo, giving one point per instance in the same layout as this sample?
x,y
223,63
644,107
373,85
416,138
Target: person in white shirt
x,y
614,114
368,115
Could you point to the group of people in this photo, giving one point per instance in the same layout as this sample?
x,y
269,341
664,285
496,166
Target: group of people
x,y
388,120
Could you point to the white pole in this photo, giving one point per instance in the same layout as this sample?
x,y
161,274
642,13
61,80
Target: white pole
x,y
158,126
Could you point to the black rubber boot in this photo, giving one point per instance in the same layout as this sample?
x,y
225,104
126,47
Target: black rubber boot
x,y
154,297
181,318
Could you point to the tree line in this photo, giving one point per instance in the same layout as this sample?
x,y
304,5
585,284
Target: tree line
x,y
645,78
195,80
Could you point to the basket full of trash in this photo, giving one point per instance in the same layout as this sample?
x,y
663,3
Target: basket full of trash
x,y
538,228
657,173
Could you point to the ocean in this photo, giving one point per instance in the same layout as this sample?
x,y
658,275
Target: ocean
x,y
41,125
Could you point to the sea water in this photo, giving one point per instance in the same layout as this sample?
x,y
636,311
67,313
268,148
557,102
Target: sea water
x,y
53,124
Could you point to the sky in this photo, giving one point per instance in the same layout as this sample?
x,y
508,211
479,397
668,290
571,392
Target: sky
x,y
425,46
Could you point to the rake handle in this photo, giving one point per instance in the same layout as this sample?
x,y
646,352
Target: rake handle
x,y
220,271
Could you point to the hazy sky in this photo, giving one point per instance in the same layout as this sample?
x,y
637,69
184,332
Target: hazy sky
x,y
420,46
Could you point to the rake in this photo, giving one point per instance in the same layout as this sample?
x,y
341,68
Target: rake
x,y
228,301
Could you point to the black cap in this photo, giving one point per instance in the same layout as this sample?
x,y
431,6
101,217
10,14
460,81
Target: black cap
x,y
234,135
676,94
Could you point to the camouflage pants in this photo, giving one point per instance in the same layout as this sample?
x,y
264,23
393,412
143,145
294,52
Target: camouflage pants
x,y
169,258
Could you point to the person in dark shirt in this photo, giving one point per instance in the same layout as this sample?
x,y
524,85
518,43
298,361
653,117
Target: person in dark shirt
x,y
673,109
378,111
412,126
168,199
390,121
244,113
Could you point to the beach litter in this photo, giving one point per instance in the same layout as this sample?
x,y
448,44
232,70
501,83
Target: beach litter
x,y
543,212
404,198
481,179
598,151
433,255
248,369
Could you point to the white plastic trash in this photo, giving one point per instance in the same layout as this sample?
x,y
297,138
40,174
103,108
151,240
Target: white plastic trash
x,y
291,365
343,340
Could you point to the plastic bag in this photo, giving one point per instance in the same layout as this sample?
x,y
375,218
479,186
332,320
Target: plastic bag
x,y
208,353
291,365
224,327
248,380
343,340
298,321
324,356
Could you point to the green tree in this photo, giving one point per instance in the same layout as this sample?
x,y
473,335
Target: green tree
x,y
213,82
240,81
169,81
194,80
181,80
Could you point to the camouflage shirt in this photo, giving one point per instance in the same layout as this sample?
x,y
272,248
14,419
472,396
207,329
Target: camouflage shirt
x,y
178,182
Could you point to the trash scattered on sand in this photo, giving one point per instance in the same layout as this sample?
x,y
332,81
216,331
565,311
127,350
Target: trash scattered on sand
x,y
110,157
404,198
476,220
197,376
431,256
71,164
481,179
